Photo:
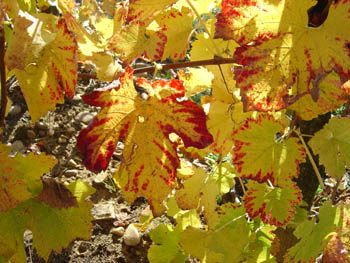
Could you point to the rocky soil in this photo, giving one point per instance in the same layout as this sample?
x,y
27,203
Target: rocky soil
x,y
114,237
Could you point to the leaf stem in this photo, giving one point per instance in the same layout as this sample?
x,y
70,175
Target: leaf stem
x,y
205,26
3,77
317,172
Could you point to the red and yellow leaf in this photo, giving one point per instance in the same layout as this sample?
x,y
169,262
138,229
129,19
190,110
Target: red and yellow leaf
x,y
176,26
260,156
279,51
331,98
49,70
275,206
150,158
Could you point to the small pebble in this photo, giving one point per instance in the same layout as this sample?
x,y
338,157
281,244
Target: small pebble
x,y
118,231
62,140
14,110
70,130
77,97
16,146
70,173
132,237
42,133
85,117
72,163
51,132
31,134
42,126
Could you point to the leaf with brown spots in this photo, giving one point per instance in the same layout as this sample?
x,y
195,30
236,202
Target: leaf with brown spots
x,y
282,58
150,158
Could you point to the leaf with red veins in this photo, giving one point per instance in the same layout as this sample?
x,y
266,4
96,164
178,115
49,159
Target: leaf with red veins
x,y
141,11
150,158
275,206
259,155
284,59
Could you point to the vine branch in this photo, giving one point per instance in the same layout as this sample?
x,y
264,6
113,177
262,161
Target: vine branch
x,y
3,77
150,69
317,172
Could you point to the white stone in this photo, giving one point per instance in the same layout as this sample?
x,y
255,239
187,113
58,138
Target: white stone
x,y
70,173
103,211
85,117
132,236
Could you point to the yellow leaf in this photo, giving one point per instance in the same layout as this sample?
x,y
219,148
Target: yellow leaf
x,y
107,68
176,26
196,80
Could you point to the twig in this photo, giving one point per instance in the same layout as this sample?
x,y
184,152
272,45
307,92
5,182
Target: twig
x,y
334,193
150,69
317,172
3,77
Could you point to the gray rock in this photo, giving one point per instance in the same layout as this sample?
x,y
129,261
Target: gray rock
x,y
132,236
42,133
70,173
85,117
31,134
14,110
16,147
103,211
118,231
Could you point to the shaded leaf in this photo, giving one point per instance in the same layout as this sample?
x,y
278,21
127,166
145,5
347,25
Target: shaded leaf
x,y
332,145
19,181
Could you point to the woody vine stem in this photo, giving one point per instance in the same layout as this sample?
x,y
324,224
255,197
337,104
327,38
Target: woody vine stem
x,y
3,78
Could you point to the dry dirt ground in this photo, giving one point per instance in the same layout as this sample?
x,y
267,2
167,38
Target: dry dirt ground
x,y
55,134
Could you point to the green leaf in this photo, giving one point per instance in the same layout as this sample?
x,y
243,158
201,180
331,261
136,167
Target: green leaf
x,y
313,236
52,228
166,249
20,176
332,144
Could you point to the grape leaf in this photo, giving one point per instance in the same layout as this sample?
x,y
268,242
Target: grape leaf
x,y
331,98
258,155
133,40
332,145
276,206
39,217
144,125
166,248
141,11
176,26
284,52
49,69
224,244
338,247
314,236
196,80
198,192
18,180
